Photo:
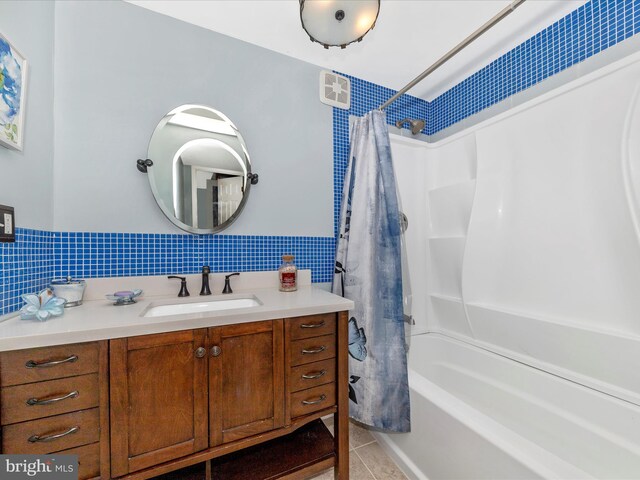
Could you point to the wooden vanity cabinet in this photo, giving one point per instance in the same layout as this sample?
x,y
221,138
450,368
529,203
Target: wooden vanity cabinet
x,y
56,400
175,394
158,399
238,397
246,380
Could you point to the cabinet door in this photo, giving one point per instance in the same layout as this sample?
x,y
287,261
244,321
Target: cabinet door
x,y
246,391
158,399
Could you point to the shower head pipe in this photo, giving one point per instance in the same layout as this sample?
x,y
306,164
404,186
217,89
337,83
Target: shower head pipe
x,y
416,124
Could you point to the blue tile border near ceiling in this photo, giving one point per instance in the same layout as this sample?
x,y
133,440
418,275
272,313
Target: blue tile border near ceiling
x,y
595,26
37,256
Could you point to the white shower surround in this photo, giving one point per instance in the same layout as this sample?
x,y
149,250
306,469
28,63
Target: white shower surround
x,y
526,242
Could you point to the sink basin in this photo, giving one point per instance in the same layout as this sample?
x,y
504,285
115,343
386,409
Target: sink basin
x,y
201,307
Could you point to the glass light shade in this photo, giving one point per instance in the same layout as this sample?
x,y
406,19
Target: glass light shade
x,y
337,23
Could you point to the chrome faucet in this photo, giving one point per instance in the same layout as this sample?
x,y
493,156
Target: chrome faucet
x,y
205,290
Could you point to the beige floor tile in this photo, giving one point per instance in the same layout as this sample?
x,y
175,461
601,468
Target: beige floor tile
x,y
359,436
379,463
330,428
357,471
328,422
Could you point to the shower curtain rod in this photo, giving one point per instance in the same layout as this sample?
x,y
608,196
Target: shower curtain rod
x,y
451,53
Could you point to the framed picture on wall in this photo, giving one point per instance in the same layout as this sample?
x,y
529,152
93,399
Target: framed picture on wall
x,y
13,93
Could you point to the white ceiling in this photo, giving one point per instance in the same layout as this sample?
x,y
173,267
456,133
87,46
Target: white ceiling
x,y
408,37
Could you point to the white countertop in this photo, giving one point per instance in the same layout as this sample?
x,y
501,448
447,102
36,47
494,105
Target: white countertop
x,y
101,320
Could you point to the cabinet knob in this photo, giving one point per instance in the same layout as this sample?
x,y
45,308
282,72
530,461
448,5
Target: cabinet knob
x,y
215,351
201,352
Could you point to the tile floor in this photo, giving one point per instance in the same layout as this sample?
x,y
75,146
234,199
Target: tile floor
x,y
367,460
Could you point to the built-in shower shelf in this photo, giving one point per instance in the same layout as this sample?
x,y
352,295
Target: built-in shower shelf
x,y
447,298
448,237
448,315
452,187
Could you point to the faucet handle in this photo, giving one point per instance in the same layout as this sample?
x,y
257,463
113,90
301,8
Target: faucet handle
x,y
183,285
227,282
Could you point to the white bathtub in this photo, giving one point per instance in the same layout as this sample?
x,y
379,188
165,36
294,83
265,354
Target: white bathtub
x,y
477,415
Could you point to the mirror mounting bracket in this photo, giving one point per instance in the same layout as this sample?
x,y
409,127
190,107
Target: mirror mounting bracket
x,y
144,164
253,177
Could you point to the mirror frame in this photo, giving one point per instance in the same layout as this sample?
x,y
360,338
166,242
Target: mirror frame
x,y
248,177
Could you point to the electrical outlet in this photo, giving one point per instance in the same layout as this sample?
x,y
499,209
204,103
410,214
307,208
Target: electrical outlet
x,y
7,224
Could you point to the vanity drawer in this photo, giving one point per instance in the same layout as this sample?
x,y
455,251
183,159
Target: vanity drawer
x,y
88,460
312,374
313,326
44,399
313,400
72,430
313,349
37,364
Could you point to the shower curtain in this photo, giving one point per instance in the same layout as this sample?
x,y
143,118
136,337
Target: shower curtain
x,y
369,272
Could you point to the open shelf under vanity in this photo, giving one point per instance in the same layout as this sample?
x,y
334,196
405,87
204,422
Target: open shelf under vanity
x,y
308,450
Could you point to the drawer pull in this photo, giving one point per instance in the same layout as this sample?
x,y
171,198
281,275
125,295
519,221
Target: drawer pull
x,y
313,325
320,399
48,401
51,363
50,438
313,376
314,350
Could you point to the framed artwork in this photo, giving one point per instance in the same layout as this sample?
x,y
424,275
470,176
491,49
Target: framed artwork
x,y
13,92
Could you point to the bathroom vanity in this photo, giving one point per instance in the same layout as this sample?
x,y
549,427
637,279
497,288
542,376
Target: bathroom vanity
x,y
136,397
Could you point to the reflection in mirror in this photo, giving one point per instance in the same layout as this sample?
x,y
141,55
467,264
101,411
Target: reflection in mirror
x,y
201,170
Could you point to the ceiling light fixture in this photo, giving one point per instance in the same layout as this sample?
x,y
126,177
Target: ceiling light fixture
x,y
337,23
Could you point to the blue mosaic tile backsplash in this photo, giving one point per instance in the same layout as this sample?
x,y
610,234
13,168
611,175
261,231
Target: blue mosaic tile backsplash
x,y
25,266
37,256
90,255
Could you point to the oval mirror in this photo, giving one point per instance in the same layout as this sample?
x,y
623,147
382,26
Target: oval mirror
x,y
201,173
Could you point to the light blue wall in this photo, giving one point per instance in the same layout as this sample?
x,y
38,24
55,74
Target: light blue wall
x,y
25,177
120,68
